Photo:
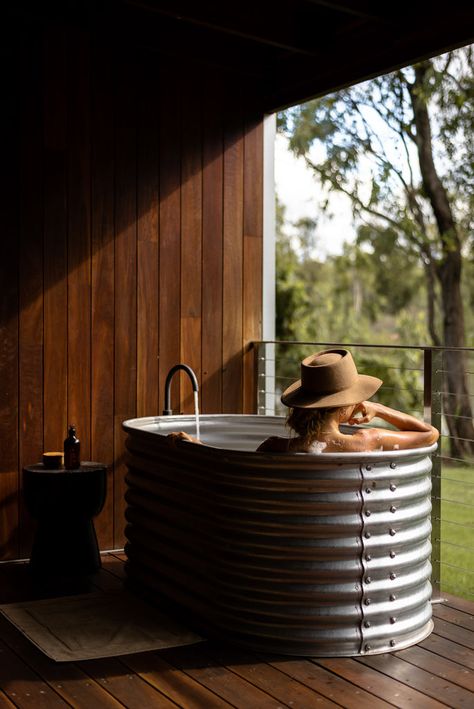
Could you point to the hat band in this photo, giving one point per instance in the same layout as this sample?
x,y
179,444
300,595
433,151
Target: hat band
x,y
313,386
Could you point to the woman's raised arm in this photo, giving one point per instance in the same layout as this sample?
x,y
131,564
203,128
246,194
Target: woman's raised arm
x,y
412,433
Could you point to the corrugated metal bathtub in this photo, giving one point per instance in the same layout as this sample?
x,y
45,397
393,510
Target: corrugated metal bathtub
x,y
290,553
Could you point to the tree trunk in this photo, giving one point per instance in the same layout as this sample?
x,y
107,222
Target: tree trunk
x,y
457,407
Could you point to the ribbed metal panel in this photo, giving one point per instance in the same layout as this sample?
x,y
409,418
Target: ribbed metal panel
x,y
291,553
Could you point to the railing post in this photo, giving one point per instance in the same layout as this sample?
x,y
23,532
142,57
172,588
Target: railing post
x,y
261,372
266,378
432,388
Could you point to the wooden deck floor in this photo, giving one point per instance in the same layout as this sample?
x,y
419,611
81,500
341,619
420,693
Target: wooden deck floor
x,y
438,672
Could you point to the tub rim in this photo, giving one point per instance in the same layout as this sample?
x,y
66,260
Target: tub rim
x,y
139,424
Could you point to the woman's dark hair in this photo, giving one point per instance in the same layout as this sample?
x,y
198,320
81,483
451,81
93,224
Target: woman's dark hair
x,y
307,423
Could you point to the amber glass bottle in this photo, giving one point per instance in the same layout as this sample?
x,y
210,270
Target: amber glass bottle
x,y
72,450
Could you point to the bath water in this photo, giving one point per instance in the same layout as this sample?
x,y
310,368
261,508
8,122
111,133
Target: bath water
x,y
196,412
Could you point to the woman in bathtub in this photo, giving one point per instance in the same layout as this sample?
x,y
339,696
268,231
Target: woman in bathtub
x,y
332,392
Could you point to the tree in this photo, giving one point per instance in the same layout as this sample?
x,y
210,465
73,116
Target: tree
x,y
374,143
332,300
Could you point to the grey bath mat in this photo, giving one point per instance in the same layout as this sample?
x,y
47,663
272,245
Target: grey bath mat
x,y
95,625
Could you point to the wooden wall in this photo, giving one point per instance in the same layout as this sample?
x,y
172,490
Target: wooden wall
x,y
132,240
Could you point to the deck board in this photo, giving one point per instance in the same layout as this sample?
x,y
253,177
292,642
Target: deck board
x,y
124,684
455,616
426,682
333,687
438,672
374,682
196,663
268,678
66,679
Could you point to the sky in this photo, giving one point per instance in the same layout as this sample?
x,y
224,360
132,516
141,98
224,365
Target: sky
x,y
297,189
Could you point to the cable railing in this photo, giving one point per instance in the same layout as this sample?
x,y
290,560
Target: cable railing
x,y
415,380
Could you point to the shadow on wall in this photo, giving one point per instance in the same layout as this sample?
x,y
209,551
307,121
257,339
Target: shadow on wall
x,y
124,249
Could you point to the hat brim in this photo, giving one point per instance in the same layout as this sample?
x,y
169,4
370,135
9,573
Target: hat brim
x,y
364,388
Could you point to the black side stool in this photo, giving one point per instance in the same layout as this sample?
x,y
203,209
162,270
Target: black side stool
x,y
64,502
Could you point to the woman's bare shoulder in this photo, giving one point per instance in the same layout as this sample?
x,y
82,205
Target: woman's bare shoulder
x,y
274,444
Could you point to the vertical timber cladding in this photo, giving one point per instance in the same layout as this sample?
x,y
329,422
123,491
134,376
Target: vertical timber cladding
x,y
132,240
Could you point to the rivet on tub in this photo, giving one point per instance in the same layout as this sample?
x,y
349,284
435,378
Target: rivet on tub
x,y
393,620
368,513
393,487
392,554
367,601
368,579
392,643
367,624
393,508
368,467
368,557
368,490
367,535
368,647
393,465
393,576
392,532
392,597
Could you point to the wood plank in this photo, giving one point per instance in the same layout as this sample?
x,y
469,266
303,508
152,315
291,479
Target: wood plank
x,y
461,604
70,682
335,688
233,258
194,661
174,683
253,257
191,239
447,648
30,276
148,241
374,682
16,583
212,251
114,566
23,686
102,282
79,239
450,694
105,580
202,675
5,702
170,232
268,679
127,687
441,667
125,380
455,616
454,633
9,186
55,240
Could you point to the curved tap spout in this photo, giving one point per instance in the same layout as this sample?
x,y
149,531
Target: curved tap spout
x,y
167,411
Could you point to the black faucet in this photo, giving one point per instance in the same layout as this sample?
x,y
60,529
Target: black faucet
x,y
167,411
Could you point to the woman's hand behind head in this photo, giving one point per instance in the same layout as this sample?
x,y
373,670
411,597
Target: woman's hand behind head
x,y
363,413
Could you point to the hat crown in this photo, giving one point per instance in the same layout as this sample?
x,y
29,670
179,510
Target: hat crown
x,y
328,372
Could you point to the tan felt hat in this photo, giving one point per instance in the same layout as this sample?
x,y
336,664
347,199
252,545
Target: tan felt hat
x,y
329,378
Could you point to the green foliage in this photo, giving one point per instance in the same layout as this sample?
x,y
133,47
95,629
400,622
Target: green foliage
x,y
343,299
362,141
397,272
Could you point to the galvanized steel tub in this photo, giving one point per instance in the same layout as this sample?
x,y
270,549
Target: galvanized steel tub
x,y
324,555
